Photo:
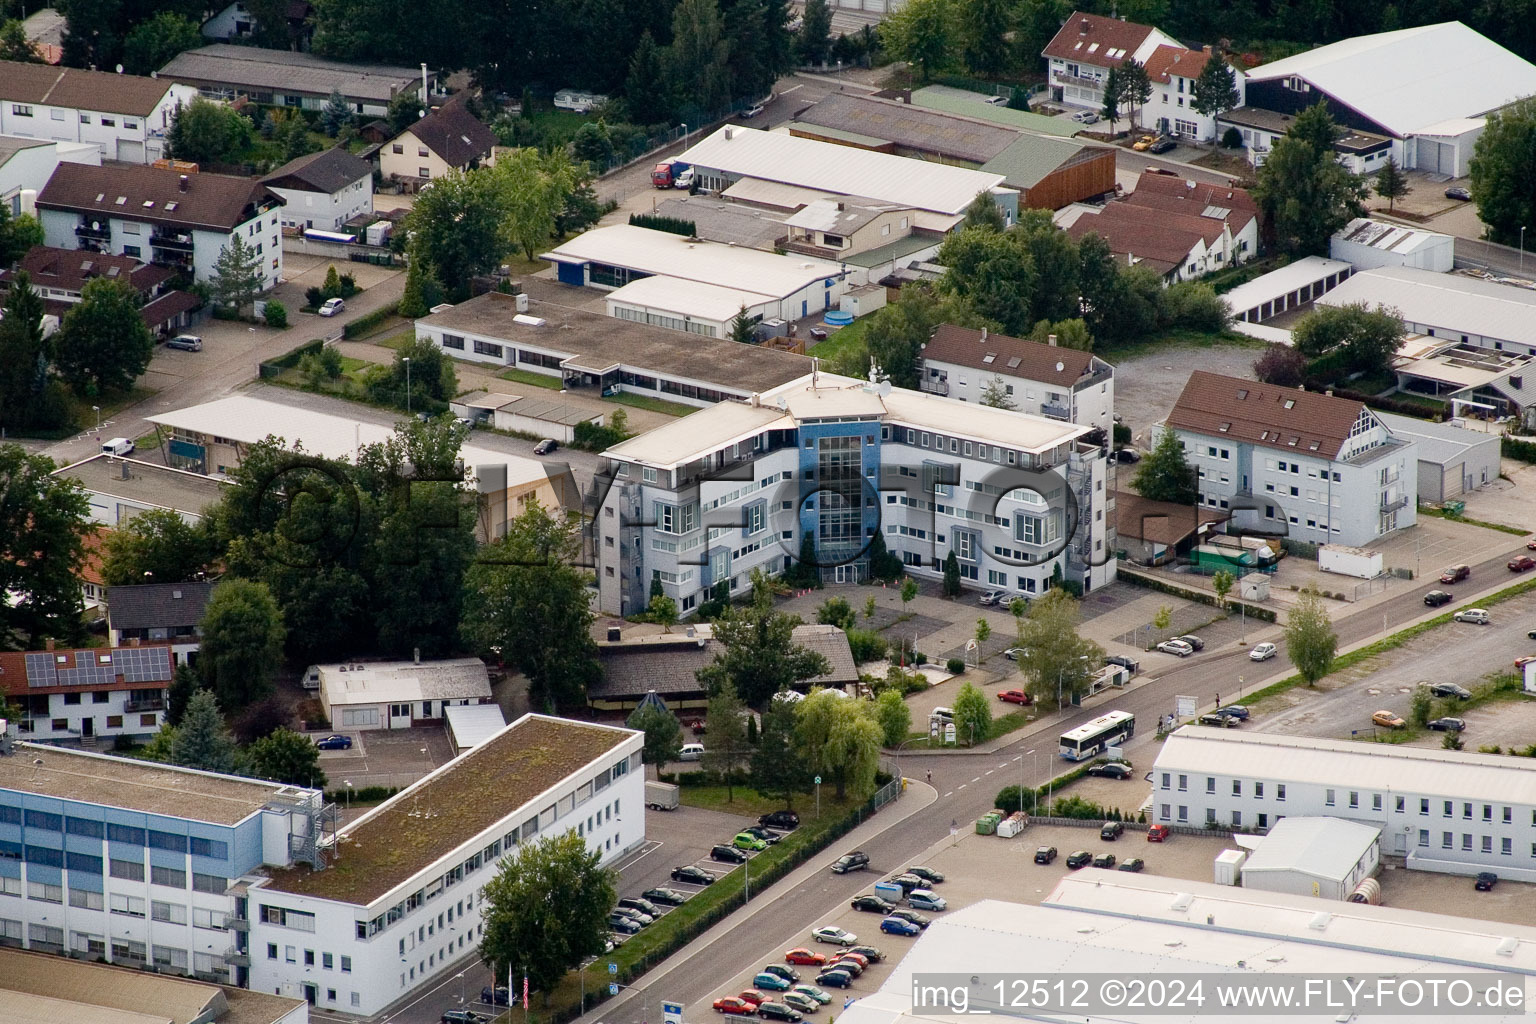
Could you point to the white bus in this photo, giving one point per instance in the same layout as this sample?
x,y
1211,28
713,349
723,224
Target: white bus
x,y
1109,729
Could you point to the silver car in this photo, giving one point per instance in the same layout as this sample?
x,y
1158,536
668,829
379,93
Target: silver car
x,y
186,343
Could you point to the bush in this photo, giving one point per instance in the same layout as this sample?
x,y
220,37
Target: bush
x,y
276,314
955,666
349,286
867,645
1281,365
1195,306
1232,139
314,297
364,795
672,225
1122,434
836,611
1524,451
1008,799
368,321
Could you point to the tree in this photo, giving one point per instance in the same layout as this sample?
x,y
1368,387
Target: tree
x,y
869,608
951,575
14,44
286,756
698,60
1422,704
726,723
759,654
525,597
17,235
1392,183
908,591
1215,91
201,740
838,739
593,145
983,28
995,394
663,612
1310,641
237,275
1162,618
1221,583
1135,88
336,115
546,911
1165,475
1367,338
923,33
204,131
1055,659
815,29
294,136
581,210
530,189
156,546
43,519
421,368
103,345
663,732
983,212
1281,365
973,714
743,328
898,330
983,631
1071,334
29,396
1307,194
992,275
1504,171
645,89
893,716
275,314
456,229
184,684
1111,109
152,44
836,611
242,642
777,770
420,289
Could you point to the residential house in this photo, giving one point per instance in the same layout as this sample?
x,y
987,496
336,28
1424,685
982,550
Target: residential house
x,y
1361,152
1042,379
237,22
124,116
1172,71
59,276
1079,57
285,78
1155,532
450,138
27,164
1290,462
164,613
323,190
118,489
181,221
83,695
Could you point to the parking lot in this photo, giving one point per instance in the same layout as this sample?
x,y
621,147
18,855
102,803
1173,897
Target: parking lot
x,y
384,757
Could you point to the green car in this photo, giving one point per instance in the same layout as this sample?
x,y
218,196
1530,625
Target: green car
x,y
748,841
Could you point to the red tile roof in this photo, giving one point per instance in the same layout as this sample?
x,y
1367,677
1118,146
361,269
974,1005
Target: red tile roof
x,y
1287,419
216,202
1166,61
70,269
1193,198
1091,38
1158,237
1013,357
90,563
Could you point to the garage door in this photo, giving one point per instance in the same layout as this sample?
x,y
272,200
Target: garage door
x,y
130,151
1437,157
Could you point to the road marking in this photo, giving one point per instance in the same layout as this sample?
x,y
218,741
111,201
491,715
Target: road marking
x,y
961,786
978,778
792,88
991,770
951,793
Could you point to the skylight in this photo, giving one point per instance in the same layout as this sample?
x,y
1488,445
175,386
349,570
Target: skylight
x,y
148,203
100,196
1242,393
989,357
121,200
1226,427
1290,403
170,206
1013,364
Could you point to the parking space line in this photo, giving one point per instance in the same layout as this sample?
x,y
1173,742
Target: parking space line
x,y
976,779
961,786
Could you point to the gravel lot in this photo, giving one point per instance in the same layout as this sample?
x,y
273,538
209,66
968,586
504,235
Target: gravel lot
x,y
1146,386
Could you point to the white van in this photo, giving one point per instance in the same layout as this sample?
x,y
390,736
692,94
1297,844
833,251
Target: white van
x,y
118,446
947,714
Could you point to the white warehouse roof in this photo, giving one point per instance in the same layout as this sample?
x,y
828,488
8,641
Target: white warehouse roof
x,y
1388,237
697,299
1327,848
399,682
1453,301
667,255
1283,281
1361,766
1442,443
1413,80
842,170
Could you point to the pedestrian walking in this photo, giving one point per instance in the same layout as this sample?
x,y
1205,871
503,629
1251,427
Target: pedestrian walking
x,y
930,775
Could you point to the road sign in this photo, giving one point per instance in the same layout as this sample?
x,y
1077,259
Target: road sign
x,y
671,1013
949,732
1184,707
818,780
613,988
613,968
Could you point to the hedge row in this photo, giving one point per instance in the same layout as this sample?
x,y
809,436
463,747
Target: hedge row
x,y
368,321
1152,583
1525,451
365,795
288,360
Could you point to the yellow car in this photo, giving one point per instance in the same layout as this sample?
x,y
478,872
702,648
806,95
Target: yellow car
x,y
1144,142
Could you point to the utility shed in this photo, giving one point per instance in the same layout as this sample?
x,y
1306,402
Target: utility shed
x,y
470,725
1325,857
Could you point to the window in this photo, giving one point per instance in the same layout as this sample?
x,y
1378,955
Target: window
x,y
1210,785
173,913
421,150
44,892
1466,842
1423,837
1279,791
1237,819
21,110
1506,846
131,870
1210,815
1446,841
485,348
209,848
346,968
86,900
202,918
133,906
173,877
453,341
1237,787
397,149
125,834
1466,811
209,883
1354,799
1328,798
1487,844
111,122
41,819
1183,783
1487,812
1258,791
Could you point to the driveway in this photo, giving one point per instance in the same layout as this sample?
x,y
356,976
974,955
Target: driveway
x,y
1147,386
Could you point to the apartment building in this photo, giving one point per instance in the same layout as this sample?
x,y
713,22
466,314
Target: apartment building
x,y
1079,57
736,487
1042,379
124,116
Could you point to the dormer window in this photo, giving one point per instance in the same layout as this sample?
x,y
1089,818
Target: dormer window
x,y
1225,427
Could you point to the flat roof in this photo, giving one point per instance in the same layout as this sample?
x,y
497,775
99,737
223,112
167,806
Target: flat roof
x,y
146,483
844,170
387,846
680,441
599,338
972,104
250,67
398,682
550,410
1387,237
1468,305
470,725
1270,286
887,119
1323,847
43,770
1367,766
697,299
668,663
774,194
669,255
1026,162
719,220
1438,442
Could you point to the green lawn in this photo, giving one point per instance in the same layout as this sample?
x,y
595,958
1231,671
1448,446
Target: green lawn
x,y
653,404
537,380
395,341
841,341
1178,338
553,123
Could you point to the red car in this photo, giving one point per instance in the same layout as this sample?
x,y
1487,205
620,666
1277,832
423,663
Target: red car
x,y
754,997
732,1004
1522,563
1157,833
804,957
1530,545
1015,697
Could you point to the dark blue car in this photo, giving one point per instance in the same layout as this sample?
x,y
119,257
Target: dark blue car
x,y
896,926
335,742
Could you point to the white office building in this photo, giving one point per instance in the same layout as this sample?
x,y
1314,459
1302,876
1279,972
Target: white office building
x,y
737,487
1442,810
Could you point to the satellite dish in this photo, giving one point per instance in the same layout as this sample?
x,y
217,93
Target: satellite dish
x,y
1060,366
95,225
154,74
119,69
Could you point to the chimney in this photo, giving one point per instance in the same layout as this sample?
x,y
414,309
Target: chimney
x,y
124,464
1050,339
183,183
48,644
730,133
840,208
983,334
416,655
1329,392
1083,29
1301,387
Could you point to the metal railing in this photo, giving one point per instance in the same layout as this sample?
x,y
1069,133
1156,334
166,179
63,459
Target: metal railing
x,y
934,387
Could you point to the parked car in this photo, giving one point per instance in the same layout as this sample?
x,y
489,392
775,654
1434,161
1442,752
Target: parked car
x,y
766,835
780,819
779,1011
805,957
545,446
1086,117
1486,880
1134,864
640,917
1111,831
1436,598
852,968
771,982
332,307
813,992
800,1001
753,996
498,996
926,874
186,343
851,956
1045,854
1236,711
1078,858
870,953
913,917
1521,563
692,752
619,923
1263,652
908,881
1162,145
1218,720
855,861
335,741
896,926
1450,690
664,895
736,1005
1477,616
1018,697
1530,545
1142,144
462,1017
698,727
1127,456
748,841
1131,665
689,873
1456,573
1013,653
1178,647
834,935
834,979
1387,720
1111,770
1192,640
1158,833
872,904
1104,860
119,446
926,899
1447,724
641,904
729,854
1457,192
753,110
992,597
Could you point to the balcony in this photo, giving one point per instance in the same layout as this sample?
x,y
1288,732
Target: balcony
x,y
98,232
1062,78
157,704
935,387
805,247
1056,411
237,957
1393,504
177,243
236,924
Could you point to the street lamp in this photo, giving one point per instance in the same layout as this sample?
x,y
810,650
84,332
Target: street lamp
x,y
1522,248
97,410
348,784
407,361
685,136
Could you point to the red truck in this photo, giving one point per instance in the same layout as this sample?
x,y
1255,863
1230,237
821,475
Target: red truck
x,y
666,173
